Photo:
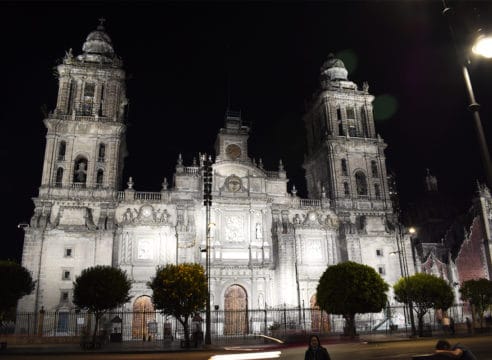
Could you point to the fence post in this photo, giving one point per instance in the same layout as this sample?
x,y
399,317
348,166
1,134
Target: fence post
x,y
41,321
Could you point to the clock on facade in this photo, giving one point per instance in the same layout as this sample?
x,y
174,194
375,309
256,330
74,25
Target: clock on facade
x,y
233,151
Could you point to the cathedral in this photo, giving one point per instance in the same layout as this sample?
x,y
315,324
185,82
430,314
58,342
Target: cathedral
x,y
268,247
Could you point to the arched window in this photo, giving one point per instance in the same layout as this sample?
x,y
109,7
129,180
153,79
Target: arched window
x,y
80,171
59,177
377,191
99,178
374,169
361,183
101,153
62,148
344,167
346,190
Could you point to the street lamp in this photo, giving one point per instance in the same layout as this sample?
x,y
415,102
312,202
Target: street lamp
x,y
402,259
482,47
207,201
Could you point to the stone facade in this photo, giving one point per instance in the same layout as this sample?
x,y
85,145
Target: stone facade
x,y
267,246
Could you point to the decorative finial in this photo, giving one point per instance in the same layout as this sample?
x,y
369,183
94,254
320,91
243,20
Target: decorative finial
x,y
180,159
101,23
130,183
280,165
194,161
294,190
323,192
164,184
260,163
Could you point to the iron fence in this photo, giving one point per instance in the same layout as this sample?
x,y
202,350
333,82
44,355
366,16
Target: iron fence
x,y
226,326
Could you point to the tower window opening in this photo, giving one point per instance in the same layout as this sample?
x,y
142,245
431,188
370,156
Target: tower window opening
x,y
346,190
71,97
99,178
381,270
352,130
344,167
377,191
363,118
59,177
101,153
350,113
361,183
88,99
374,169
62,148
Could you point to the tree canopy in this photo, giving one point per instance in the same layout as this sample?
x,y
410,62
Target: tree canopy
x,y
99,289
180,290
350,288
479,294
425,291
16,282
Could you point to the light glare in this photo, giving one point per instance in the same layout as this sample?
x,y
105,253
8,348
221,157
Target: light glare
x,y
248,356
483,47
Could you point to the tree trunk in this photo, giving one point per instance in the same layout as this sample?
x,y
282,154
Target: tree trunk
x,y
96,325
350,325
420,318
186,330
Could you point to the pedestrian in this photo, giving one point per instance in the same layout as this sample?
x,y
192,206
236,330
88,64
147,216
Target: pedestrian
x,y
315,351
458,351
468,325
446,322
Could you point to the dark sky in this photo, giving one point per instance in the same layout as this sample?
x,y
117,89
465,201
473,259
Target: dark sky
x,y
180,58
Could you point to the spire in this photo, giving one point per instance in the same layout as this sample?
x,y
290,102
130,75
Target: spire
x,y
430,182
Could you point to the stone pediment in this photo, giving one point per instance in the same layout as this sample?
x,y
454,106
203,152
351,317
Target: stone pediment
x,y
239,169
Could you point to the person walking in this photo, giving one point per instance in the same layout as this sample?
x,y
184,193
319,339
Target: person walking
x,y
315,351
457,351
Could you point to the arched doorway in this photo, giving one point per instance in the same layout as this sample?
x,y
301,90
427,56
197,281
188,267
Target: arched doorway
x,y
143,313
320,322
235,311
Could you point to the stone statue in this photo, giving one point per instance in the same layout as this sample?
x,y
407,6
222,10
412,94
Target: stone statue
x,y
81,172
259,233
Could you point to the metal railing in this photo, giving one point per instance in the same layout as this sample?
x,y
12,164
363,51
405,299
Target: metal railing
x,y
227,326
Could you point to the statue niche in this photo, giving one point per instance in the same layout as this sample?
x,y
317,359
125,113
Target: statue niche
x,y
80,171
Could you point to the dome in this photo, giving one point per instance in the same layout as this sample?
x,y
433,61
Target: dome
x,y
334,68
98,45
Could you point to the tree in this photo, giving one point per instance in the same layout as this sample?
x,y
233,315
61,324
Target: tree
x,y
181,291
16,282
423,292
479,294
350,288
99,289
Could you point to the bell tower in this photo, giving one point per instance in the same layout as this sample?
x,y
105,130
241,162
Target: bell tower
x,y
345,157
85,143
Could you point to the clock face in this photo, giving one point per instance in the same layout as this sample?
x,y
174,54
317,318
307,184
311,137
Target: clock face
x,y
233,151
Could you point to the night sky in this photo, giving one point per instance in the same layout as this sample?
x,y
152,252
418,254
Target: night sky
x,y
187,62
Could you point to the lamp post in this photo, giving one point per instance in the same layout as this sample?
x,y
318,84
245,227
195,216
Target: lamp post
x,y
402,259
482,47
207,201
